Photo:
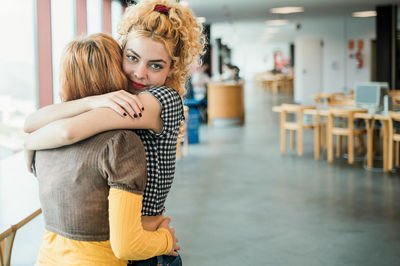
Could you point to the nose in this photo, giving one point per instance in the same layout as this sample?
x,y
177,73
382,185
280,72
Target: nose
x,y
141,71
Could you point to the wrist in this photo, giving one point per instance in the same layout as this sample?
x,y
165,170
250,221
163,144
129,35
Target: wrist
x,y
88,103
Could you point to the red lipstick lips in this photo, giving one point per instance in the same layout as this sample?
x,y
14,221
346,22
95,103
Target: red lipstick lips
x,y
137,85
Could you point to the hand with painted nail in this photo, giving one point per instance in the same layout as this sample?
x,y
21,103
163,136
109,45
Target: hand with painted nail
x,y
122,102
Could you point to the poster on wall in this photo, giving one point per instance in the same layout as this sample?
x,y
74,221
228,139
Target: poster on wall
x,y
279,61
357,54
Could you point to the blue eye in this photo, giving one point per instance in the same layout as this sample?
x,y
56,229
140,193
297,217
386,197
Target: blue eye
x,y
156,66
132,58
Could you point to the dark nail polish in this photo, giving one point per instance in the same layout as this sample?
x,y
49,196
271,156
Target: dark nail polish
x,y
135,115
124,114
142,108
140,114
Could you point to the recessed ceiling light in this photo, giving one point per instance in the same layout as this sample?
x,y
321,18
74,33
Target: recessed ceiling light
x,y
277,22
201,19
364,14
287,10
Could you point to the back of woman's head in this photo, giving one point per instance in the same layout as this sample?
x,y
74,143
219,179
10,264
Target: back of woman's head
x,y
171,24
91,65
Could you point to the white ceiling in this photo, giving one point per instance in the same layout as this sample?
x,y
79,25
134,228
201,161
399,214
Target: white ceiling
x,y
258,10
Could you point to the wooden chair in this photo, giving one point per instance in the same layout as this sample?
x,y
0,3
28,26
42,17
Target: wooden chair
x,y
293,126
395,95
344,129
328,98
7,238
183,136
394,139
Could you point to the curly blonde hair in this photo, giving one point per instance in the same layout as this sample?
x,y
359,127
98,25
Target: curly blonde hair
x,y
178,30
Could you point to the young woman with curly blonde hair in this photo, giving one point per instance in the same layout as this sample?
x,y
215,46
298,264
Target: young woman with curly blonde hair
x,y
160,39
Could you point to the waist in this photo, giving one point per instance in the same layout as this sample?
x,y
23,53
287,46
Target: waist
x,y
58,250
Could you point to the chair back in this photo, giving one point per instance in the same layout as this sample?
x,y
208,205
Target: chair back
x,y
7,238
341,123
296,109
394,138
394,129
395,95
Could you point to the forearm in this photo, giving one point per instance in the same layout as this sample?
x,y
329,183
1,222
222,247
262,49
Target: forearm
x,y
76,128
50,136
54,112
129,240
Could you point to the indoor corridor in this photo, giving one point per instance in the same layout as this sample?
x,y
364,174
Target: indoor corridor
x,y
237,201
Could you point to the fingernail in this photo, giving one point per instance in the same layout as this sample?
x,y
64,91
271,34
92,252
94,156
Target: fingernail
x,y
124,114
135,115
142,108
140,114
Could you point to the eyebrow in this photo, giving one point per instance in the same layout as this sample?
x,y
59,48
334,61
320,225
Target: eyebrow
x,y
152,61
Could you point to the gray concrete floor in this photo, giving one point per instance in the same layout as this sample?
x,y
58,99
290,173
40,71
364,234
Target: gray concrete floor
x,y
237,201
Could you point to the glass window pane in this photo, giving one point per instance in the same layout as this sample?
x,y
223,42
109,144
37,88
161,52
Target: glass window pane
x,y
62,31
18,83
94,16
116,15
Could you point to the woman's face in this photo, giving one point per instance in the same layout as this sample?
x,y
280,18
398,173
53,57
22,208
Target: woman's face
x,y
146,63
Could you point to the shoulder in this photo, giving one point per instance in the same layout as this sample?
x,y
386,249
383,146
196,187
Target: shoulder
x,y
124,161
124,135
123,141
116,137
163,93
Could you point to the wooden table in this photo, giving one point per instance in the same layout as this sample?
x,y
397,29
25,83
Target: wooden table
x,y
370,126
225,100
275,82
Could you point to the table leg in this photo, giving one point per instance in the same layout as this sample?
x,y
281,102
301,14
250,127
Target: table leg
x,y
282,132
370,141
385,146
329,139
317,138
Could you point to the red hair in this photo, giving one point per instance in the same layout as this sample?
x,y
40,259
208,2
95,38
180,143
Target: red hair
x,y
91,65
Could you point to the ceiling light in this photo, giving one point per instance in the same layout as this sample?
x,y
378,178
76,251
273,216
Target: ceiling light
x,y
277,22
201,20
364,14
271,30
287,10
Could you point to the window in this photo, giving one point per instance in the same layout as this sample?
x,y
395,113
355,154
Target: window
x,y
116,15
62,32
94,16
18,83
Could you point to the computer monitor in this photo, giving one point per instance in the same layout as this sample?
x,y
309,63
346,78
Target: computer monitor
x,y
370,95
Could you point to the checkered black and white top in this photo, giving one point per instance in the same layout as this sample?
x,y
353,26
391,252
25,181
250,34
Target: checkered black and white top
x,y
161,150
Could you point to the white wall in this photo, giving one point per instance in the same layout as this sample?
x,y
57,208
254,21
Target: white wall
x,y
257,57
249,54
339,72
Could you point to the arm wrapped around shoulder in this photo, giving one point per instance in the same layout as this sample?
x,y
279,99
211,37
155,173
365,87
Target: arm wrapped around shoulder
x,y
124,162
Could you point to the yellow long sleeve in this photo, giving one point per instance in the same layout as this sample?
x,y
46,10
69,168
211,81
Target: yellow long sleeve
x,y
129,241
